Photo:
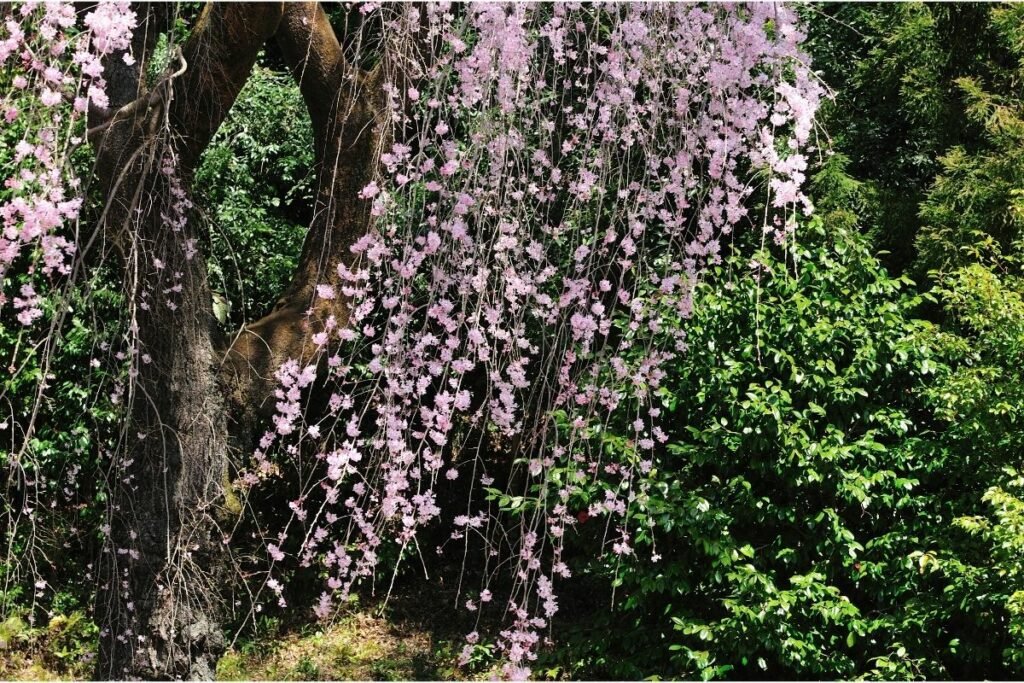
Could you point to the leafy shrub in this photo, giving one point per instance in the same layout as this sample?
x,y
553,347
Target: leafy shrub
x,y
774,535
256,183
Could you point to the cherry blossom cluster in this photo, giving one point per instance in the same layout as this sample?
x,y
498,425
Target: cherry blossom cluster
x,y
52,74
566,174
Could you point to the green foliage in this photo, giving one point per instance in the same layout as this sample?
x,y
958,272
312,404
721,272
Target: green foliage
x,y
773,507
972,239
256,182
12,630
898,108
1003,532
71,639
929,113
975,209
981,401
65,645
799,523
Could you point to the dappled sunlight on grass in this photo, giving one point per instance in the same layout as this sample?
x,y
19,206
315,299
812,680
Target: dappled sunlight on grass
x,y
360,646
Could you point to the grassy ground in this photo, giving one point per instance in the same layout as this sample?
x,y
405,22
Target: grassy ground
x,y
404,640
359,646
60,649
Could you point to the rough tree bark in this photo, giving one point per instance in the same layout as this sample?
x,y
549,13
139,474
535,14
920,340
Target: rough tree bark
x,y
195,399
348,113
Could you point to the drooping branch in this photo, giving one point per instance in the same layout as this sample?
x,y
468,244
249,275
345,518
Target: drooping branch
x,y
515,289
123,69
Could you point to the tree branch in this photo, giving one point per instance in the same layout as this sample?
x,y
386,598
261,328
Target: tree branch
x,y
351,127
219,55
146,101
221,50
125,82
314,56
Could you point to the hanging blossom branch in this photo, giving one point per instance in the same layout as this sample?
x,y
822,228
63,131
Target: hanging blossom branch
x,y
51,68
564,175
50,64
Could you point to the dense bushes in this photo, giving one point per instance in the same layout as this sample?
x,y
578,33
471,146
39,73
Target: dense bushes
x,y
256,180
779,516
841,492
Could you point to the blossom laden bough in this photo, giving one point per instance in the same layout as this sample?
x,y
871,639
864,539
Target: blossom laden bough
x,y
51,63
566,174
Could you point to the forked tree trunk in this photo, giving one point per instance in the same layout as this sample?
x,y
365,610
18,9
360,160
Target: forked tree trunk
x,y
166,564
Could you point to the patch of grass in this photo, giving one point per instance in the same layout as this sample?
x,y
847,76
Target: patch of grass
x,y
61,650
307,670
360,646
414,637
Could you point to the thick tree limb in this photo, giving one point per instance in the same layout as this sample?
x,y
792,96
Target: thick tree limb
x,y
351,127
221,52
142,104
315,58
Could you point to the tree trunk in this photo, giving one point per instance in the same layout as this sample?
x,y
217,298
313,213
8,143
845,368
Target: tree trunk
x,y
165,562
164,566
